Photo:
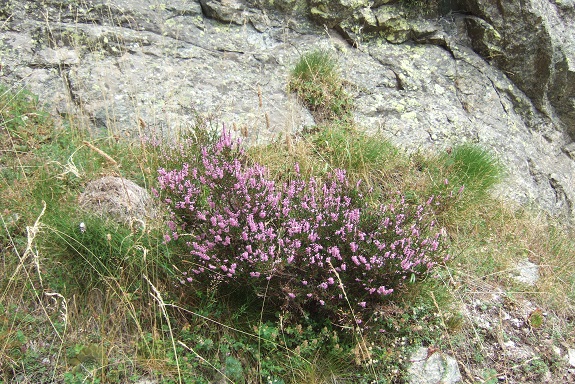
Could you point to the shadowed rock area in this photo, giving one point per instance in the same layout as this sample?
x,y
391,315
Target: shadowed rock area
x,y
498,75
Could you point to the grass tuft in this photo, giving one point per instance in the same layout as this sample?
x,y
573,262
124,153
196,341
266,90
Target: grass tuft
x,y
318,85
474,168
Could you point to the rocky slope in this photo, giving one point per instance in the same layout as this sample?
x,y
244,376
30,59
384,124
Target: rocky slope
x,y
495,73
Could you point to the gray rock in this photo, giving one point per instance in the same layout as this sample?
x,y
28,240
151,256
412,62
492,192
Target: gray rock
x,y
135,68
427,96
119,199
527,272
434,368
571,356
533,43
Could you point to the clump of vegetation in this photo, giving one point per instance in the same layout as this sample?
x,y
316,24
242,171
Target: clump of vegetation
x,y
60,278
302,243
474,168
318,85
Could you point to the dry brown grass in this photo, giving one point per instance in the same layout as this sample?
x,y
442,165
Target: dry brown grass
x,y
492,241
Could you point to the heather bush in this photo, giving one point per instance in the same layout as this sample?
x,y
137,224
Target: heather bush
x,y
306,244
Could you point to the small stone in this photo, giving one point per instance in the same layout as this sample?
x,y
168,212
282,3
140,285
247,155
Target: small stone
x,y
482,323
146,381
571,354
518,352
528,272
556,350
430,367
509,344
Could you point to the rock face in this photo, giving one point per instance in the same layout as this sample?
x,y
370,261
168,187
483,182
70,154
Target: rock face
x,y
497,75
533,43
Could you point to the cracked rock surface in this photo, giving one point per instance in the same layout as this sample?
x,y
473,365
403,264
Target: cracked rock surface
x,y
133,66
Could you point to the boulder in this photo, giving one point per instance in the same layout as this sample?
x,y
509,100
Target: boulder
x,y
117,198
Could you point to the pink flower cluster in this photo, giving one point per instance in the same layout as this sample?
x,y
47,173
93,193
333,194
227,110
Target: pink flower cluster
x,y
304,241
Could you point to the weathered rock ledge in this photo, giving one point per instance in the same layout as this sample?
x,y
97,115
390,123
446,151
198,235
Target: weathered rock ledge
x,y
500,76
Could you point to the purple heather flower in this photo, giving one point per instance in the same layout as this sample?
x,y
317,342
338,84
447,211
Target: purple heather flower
x,y
340,174
240,222
383,291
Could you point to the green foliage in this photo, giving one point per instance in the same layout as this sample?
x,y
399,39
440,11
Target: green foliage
x,y
18,330
103,250
537,368
369,159
489,376
90,358
354,151
317,83
43,163
474,168
248,349
27,125
465,174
